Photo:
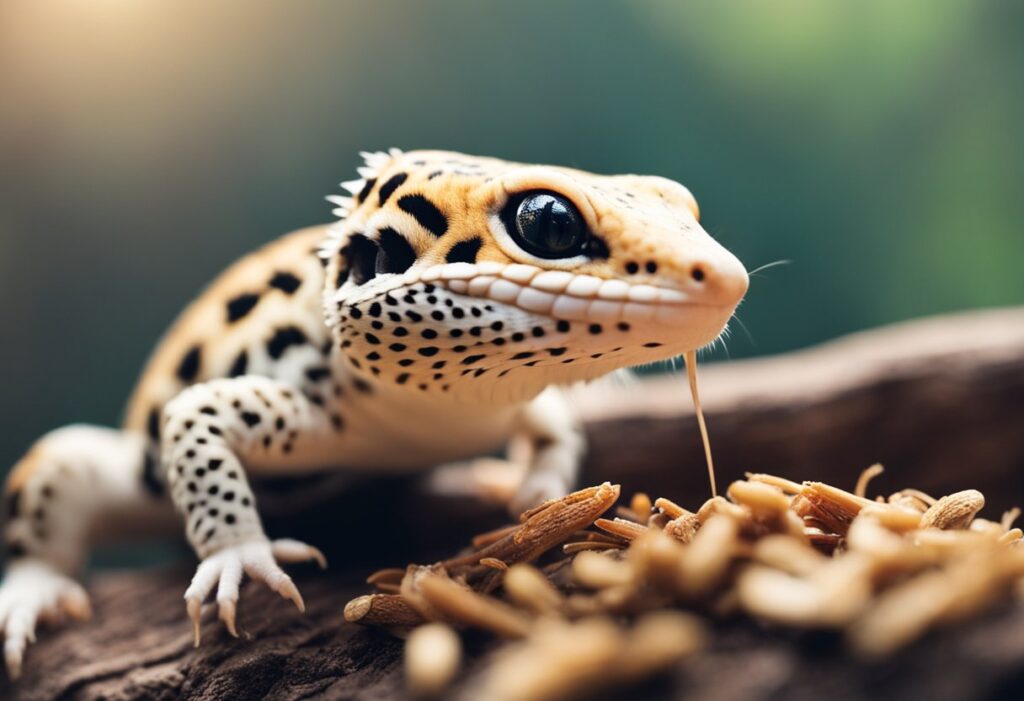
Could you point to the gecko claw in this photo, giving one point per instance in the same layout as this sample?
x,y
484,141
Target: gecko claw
x,y
227,615
259,559
34,592
76,603
194,607
287,550
289,591
12,658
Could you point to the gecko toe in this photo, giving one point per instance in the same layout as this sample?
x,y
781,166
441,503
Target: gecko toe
x,y
288,551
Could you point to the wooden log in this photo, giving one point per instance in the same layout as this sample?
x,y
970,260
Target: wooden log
x,y
940,402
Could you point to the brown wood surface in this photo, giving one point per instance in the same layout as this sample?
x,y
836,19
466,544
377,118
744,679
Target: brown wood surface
x,y
940,402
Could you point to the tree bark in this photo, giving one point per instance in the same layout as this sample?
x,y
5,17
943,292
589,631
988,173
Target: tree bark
x,y
940,402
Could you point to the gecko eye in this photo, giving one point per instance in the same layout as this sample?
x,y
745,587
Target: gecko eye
x,y
546,225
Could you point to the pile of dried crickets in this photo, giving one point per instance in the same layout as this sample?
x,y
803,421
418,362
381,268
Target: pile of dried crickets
x,y
880,571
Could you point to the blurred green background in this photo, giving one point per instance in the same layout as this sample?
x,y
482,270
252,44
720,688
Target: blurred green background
x,y
145,145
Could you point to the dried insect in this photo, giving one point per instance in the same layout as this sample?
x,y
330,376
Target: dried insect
x,y
433,653
382,610
541,529
529,588
627,530
954,511
462,606
811,555
561,659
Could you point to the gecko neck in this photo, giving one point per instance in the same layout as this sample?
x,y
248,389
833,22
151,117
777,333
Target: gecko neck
x,y
464,398
405,427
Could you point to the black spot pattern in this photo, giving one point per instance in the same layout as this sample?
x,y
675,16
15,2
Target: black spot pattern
x,y
396,254
240,365
12,503
464,251
241,305
150,480
318,373
389,187
283,339
425,212
367,188
153,424
286,282
188,368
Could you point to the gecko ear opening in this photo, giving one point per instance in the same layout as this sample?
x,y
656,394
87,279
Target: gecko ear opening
x,y
361,254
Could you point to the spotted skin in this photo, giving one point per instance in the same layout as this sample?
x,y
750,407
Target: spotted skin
x,y
420,328
210,429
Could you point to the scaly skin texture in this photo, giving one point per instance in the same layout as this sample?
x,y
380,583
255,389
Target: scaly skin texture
x,y
425,326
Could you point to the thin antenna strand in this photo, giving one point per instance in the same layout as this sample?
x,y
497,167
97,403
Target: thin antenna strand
x,y
691,372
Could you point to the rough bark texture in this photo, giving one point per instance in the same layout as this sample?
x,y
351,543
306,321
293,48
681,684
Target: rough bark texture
x,y
940,402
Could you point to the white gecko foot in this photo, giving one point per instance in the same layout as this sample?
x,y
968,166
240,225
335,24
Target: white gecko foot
x,y
257,558
490,479
34,591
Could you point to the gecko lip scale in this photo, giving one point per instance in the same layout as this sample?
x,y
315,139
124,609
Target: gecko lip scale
x,y
556,293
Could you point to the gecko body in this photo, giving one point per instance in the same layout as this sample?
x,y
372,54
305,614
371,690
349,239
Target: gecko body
x,y
433,322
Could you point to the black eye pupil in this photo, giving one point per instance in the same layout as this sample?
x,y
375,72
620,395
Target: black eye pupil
x,y
549,226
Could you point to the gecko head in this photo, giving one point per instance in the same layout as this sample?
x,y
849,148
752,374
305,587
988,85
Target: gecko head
x,y
485,280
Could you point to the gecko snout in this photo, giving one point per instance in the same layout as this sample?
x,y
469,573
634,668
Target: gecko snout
x,y
713,277
721,281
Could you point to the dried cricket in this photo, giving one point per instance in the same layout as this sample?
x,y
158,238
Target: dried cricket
x,y
561,659
541,529
433,653
882,571
382,610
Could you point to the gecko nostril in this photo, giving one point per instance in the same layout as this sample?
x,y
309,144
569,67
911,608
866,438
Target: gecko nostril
x,y
697,273
632,267
652,267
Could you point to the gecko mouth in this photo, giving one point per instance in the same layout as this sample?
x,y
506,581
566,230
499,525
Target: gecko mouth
x,y
556,293
445,326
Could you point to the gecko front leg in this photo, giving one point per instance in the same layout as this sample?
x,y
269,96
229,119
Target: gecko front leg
x,y
209,429
542,459
557,443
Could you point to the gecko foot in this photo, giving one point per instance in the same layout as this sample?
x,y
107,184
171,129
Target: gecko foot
x,y
259,559
34,591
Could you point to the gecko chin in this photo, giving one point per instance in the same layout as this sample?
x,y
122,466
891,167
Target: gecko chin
x,y
497,333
